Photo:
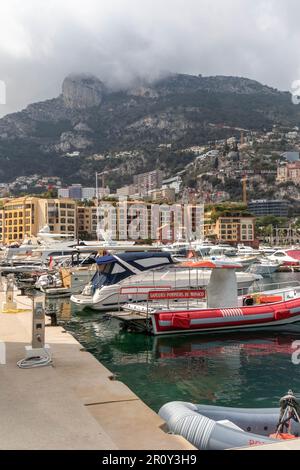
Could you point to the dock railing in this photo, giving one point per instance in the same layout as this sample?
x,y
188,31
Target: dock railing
x,y
138,291
164,293
256,289
177,294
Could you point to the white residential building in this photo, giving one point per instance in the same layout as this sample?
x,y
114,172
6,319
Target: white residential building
x,y
88,193
172,183
63,193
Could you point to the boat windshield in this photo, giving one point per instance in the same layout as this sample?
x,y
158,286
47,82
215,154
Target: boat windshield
x,y
108,274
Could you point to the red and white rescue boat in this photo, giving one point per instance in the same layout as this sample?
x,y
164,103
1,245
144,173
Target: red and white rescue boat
x,y
225,319
217,308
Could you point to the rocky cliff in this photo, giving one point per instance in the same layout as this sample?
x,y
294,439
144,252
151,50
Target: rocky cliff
x,y
82,91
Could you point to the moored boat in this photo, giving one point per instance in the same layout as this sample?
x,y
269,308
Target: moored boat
x,y
218,308
289,257
264,267
225,319
220,428
131,276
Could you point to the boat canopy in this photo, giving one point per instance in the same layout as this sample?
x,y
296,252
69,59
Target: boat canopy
x,y
114,268
105,259
141,260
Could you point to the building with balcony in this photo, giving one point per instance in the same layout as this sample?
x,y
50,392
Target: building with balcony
x,y
26,216
80,193
139,220
172,183
230,227
265,207
289,172
129,190
58,214
163,195
146,182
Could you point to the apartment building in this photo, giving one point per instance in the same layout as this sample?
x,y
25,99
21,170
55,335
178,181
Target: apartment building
x,y
134,220
58,214
128,190
264,207
26,216
173,183
1,225
80,193
146,182
231,228
19,219
289,172
116,219
87,222
163,195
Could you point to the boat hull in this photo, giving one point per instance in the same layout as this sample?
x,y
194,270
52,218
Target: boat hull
x,y
218,428
137,287
226,320
263,270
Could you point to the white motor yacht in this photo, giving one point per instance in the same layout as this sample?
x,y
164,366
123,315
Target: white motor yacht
x,y
130,276
264,267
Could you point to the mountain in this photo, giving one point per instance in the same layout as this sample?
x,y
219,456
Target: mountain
x,y
90,118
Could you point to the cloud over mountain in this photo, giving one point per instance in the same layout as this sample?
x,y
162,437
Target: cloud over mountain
x,y
121,41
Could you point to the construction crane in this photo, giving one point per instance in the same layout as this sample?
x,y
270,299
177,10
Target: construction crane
x,y
102,175
244,183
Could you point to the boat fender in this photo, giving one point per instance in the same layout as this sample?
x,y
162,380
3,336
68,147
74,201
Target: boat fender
x,y
282,314
181,321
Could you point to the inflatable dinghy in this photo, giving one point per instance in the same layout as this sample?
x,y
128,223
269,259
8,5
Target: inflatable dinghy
x,y
219,428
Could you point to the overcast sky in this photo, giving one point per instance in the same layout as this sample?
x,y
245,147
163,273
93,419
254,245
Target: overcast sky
x,y
41,41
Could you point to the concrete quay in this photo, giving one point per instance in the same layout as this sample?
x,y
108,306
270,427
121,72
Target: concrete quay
x,y
74,403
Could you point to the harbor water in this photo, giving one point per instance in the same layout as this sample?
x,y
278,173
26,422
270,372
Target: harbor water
x,y
247,369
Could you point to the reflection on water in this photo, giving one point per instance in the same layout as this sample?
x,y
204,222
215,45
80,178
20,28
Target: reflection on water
x,y
242,369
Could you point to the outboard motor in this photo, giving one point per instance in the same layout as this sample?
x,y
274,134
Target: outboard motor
x,y
289,410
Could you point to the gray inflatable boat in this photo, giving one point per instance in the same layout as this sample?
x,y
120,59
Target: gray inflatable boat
x,y
219,428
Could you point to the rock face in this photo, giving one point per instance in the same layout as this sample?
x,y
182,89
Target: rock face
x,y
82,91
72,141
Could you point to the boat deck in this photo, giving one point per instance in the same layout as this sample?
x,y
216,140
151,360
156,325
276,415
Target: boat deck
x,y
137,321
136,315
